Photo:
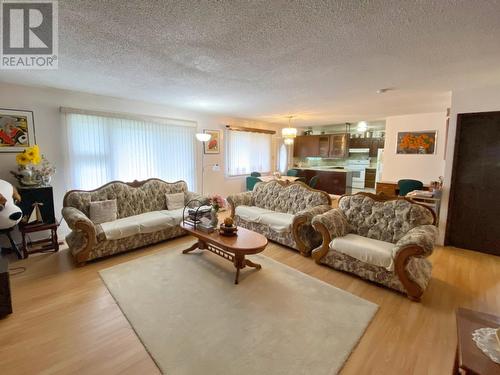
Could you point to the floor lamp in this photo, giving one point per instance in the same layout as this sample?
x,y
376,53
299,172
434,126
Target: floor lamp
x,y
203,138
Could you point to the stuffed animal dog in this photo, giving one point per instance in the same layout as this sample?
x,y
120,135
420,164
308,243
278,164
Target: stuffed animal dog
x,y
10,214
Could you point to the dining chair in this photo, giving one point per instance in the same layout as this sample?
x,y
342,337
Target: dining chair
x,y
292,172
251,181
255,174
313,181
407,185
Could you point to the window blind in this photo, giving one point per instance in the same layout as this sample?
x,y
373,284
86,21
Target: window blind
x,y
247,152
103,149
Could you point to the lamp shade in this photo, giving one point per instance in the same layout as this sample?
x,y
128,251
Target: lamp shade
x,y
288,141
203,137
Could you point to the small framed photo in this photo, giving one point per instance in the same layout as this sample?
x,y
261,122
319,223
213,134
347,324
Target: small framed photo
x,y
213,145
17,130
417,143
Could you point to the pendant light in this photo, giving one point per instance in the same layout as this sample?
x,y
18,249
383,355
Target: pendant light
x,y
289,133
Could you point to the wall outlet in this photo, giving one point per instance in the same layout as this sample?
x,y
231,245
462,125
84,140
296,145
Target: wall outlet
x,y
216,168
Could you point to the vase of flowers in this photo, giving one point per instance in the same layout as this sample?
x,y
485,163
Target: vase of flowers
x,y
217,202
33,169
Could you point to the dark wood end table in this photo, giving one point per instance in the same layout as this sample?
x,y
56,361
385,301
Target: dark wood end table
x,y
232,248
45,244
469,358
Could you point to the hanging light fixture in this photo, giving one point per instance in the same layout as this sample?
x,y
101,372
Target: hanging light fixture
x,y
362,126
289,133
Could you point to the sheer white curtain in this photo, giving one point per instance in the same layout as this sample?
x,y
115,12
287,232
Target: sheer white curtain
x,y
247,152
103,149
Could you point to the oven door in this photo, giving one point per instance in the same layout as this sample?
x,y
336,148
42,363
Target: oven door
x,y
358,179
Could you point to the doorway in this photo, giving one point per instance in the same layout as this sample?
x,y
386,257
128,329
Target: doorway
x,y
474,208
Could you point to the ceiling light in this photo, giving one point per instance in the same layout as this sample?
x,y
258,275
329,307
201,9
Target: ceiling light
x,y
203,137
288,141
289,133
382,91
362,126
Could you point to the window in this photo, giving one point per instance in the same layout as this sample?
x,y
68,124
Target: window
x,y
247,152
103,149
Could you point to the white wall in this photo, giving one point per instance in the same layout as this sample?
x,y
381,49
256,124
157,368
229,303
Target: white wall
x,y
45,104
425,168
485,99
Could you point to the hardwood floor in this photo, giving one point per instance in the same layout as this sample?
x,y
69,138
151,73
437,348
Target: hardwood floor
x,y
66,322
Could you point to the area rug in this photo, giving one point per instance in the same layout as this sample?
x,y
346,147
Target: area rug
x,y
193,319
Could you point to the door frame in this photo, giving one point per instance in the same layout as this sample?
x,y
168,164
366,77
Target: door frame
x,y
454,167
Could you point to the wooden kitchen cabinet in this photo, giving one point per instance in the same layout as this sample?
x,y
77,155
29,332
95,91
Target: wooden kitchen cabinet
x,y
306,146
370,174
339,145
372,144
324,146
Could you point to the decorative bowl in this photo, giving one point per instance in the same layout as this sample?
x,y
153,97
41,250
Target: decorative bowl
x,y
228,230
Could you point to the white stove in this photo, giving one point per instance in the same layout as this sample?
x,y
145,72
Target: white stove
x,y
357,167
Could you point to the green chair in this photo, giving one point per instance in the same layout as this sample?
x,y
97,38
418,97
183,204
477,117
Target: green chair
x,y
255,174
251,181
313,181
406,186
292,173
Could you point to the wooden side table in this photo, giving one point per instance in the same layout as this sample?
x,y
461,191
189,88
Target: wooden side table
x,y
470,360
45,244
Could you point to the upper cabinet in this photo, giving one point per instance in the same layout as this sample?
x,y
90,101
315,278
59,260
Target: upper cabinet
x,y
339,145
373,144
325,146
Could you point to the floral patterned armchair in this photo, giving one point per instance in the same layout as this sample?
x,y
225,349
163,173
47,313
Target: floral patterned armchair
x,y
282,212
380,239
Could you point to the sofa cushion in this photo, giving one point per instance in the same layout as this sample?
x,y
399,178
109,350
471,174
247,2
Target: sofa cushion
x,y
278,221
368,250
148,222
103,211
175,201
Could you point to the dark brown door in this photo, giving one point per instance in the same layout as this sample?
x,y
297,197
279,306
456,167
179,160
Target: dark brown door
x,y
474,209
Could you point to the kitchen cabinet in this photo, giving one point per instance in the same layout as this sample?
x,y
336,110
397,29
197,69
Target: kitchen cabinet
x,y
331,181
325,146
370,174
339,145
306,146
372,144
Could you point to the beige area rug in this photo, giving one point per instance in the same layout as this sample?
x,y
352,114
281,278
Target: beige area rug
x,y
193,320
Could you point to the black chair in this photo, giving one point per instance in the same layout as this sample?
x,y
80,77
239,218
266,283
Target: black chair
x,y
292,173
255,174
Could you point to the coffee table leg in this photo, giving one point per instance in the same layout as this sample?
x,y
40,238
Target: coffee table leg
x,y
249,263
194,246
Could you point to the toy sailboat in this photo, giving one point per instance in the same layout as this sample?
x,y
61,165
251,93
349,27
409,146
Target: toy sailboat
x,y
36,214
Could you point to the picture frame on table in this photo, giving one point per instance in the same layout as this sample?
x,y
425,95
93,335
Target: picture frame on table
x,y
17,130
416,142
213,145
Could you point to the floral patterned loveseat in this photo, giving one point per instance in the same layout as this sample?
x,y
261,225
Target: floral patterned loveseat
x,y
380,239
139,204
282,212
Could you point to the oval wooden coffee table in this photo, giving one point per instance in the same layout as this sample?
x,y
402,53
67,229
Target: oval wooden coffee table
x,y
232,248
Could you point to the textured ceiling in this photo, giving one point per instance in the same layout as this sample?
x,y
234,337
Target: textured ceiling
x,y
321,60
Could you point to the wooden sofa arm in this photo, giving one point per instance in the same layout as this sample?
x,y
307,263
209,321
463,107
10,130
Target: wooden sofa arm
x,y
240,199
304,218
331,224
413,290
78,221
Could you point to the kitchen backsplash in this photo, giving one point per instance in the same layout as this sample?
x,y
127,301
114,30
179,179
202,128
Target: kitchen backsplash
x,y
326,162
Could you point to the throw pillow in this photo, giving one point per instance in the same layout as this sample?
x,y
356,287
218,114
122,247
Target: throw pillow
x,y
175,201
103,211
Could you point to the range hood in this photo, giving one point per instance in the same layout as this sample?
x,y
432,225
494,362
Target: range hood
x,y
359,150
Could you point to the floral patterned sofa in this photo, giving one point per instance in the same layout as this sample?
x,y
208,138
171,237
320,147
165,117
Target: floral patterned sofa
x,y
139,204
282,212
380,239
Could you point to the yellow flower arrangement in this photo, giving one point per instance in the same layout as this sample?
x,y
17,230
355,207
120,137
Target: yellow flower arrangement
x,y
29,156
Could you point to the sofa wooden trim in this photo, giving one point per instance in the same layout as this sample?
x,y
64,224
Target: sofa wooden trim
x,y
413,290
134,184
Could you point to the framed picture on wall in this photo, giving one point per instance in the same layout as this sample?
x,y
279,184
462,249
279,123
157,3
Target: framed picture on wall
x,y
418,143
17,130
213,145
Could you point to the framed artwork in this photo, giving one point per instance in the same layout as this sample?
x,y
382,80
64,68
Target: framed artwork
x,y
17,130
213,145
419,143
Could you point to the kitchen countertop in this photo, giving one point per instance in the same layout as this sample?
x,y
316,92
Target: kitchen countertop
x,y
323,169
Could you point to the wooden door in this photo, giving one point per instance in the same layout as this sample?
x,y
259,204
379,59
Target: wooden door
x,y
474,207
306,146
